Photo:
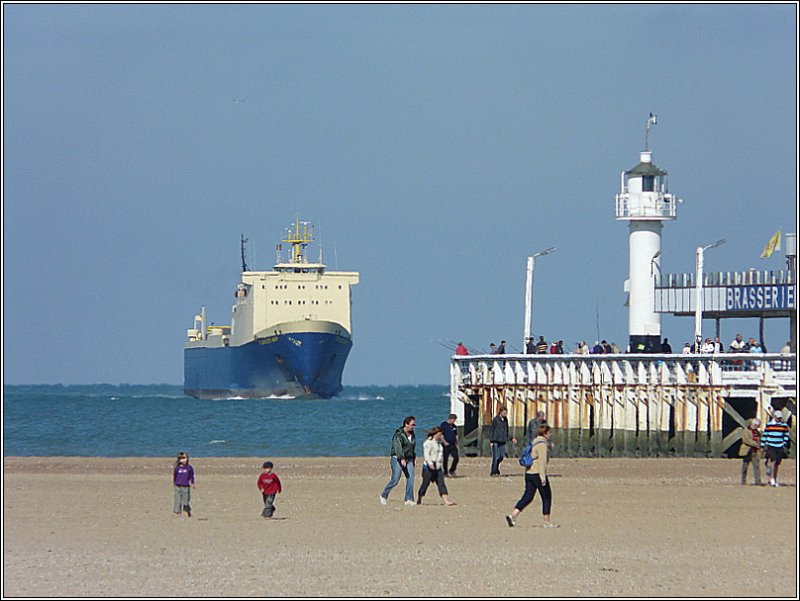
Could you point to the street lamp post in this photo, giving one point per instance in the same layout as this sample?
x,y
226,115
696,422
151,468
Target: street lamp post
x,y
529,293
698,291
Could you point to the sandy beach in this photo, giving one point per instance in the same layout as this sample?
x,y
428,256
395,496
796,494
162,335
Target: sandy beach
x,y
629,527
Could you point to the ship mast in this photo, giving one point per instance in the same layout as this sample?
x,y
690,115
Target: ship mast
x,y
244,261
299,236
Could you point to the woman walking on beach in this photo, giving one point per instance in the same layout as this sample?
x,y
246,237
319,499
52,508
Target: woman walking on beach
x,y
433,450
402,460
182,478
536,479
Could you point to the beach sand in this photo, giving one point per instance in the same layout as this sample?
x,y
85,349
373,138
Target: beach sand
x,y
629,527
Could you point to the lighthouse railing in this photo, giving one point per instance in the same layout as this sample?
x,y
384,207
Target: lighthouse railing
x,y
659,207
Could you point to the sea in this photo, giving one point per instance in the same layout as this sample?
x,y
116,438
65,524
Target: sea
x,y
159,420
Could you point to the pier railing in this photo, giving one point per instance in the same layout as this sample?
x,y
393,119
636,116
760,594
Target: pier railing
x,y
624,405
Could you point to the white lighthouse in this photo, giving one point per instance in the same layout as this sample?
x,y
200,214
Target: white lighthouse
x,y
644,201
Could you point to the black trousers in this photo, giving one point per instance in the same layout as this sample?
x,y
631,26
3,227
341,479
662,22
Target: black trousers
x,y
428,476
450,450
533,482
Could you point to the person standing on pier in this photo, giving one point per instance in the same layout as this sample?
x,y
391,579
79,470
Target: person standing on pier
x,y
541,346
737,345
707,348
498,437
402,460
461,350
530,346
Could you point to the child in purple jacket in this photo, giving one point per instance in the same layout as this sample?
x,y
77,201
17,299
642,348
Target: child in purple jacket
x,y
182,478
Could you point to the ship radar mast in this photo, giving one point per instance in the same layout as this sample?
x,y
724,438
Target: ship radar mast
x,y
299,236
244,259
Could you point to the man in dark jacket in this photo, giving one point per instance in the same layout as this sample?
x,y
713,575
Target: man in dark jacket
x,y
530,346
498,437
450,444
403,458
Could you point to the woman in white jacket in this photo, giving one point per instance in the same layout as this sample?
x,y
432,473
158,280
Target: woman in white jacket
x,y
432,469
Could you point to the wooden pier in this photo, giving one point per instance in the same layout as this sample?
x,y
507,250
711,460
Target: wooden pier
x,y
623,405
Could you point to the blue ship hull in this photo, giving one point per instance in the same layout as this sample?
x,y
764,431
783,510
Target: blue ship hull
x,y
300,364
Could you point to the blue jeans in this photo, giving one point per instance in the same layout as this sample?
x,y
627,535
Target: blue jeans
x,y
397,470
498,452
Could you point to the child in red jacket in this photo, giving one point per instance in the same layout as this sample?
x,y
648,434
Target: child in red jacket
x,y
270,485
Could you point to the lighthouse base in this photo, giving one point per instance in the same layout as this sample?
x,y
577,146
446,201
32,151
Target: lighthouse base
x,y
645,343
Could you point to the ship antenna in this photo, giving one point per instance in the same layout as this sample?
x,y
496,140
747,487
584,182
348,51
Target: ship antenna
x,y
244,260
653,119
319,238
299,237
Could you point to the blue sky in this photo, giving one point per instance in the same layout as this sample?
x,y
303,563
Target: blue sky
x,y
435,147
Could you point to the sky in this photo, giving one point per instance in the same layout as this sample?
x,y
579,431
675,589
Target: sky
x,y
434,146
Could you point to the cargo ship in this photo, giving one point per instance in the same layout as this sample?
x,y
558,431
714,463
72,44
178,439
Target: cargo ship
x,y
289,336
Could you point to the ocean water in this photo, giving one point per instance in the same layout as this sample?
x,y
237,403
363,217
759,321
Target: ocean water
x,y
158,421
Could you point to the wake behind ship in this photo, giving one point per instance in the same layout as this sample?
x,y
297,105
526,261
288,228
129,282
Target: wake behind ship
x,y
290,332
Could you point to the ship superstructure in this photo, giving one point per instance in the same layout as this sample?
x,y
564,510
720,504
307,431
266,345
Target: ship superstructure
x,y
290,331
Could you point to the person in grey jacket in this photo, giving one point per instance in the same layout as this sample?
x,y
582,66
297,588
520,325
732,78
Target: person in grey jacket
x,y
533,425
498,437
402,460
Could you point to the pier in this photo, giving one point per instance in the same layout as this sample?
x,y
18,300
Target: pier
x,y
632,405
645,403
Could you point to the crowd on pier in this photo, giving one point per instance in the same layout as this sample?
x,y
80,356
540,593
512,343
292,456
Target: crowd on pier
x,y
602,347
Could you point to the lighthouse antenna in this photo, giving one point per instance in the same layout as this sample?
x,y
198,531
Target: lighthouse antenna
x,y
652,120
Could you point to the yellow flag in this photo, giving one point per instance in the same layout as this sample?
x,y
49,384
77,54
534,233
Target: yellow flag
x,y
773,245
